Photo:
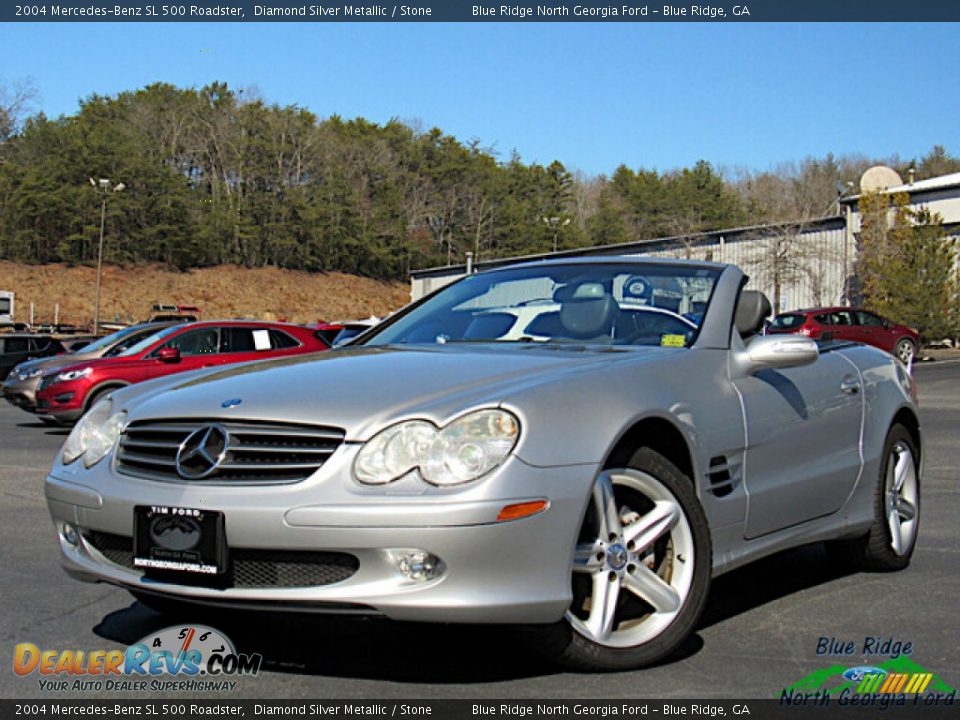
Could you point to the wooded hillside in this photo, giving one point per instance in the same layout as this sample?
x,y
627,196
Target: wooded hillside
x,y
215,177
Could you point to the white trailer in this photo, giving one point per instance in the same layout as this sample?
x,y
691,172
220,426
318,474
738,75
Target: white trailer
x,y
6,307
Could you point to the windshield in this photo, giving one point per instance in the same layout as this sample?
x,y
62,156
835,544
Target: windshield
x,y
613,304
148,341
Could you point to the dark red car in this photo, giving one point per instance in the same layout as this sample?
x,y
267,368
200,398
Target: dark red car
x,y
845,323
68,392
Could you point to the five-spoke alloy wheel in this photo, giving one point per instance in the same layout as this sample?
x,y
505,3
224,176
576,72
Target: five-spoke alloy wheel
x,y
901,498
896,509
648,556
640,569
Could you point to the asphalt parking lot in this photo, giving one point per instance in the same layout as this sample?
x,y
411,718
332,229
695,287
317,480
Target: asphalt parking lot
x,y
759,632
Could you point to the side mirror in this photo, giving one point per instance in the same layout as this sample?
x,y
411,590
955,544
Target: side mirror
x,y
169,355
776,352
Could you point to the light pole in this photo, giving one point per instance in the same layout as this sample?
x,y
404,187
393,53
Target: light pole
x,y
104,187
556,223
844,189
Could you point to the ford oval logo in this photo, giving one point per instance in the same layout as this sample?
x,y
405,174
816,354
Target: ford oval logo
x,y
175,532
232,402
856,674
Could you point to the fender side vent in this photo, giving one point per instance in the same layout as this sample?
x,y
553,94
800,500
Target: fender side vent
x,y
723,475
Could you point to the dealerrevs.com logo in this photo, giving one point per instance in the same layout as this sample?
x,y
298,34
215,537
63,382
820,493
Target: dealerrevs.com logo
x,y
187,658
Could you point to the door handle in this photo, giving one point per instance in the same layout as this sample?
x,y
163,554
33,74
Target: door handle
x,y
850,386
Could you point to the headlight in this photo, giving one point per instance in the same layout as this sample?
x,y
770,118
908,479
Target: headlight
x,y
94,435
30,374
72,375
464,450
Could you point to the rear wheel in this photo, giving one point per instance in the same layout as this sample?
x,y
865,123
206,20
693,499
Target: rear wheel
x,y
640,570
892,538
905,350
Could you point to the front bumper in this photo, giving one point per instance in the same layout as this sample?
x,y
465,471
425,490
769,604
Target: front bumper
x,y
502,572
20,400
64,411
62,401
66,417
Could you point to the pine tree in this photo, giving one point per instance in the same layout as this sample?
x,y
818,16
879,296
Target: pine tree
x,y
908,266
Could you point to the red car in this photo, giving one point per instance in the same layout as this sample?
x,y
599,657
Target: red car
x,y
845,323
68,392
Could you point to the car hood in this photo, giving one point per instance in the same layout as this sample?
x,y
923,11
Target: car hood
x,y
57,361
363,389
78,361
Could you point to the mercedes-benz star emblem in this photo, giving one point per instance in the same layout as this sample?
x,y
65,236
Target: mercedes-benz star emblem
x,y
202,452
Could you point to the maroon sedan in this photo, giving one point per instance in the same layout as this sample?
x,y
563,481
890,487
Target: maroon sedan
x,y
845,323
67,392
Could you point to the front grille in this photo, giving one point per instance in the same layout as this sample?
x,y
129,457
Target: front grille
x,y
46,381
289,568
256,452
248,568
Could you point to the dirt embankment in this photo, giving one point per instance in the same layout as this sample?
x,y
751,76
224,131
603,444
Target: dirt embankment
x,y
226,291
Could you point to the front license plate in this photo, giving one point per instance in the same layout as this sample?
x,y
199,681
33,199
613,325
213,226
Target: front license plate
x,y
179,540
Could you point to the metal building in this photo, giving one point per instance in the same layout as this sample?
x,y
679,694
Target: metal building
x,y
805,264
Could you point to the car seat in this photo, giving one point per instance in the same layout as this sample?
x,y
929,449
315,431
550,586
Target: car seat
x,y
753,308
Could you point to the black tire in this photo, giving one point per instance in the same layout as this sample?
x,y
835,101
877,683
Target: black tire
x,y
562,644
906,350
874,551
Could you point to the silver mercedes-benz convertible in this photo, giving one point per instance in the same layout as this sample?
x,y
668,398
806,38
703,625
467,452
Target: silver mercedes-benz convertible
x,y
577,446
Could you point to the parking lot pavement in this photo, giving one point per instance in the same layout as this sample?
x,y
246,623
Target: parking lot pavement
x,y
759,632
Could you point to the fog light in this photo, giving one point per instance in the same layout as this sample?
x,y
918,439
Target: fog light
x,y
70,534
419,566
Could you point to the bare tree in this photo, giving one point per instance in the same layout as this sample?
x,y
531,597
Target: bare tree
x,y
685,225
586,197
787,254
16,100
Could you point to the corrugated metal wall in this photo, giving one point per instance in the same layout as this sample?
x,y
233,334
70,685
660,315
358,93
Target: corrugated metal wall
x,y
811,265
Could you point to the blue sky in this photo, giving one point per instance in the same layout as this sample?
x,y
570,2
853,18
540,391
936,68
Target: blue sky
x,y
591,95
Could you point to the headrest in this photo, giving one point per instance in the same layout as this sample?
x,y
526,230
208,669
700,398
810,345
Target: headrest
x,y
579,291
752,309
586,310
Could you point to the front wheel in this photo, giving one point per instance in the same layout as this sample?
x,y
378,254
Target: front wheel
x,y
640,570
